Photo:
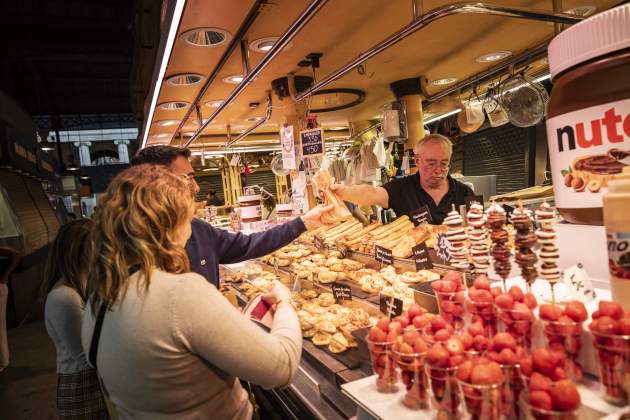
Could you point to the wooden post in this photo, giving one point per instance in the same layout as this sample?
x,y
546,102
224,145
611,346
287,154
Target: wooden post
x,y
415,120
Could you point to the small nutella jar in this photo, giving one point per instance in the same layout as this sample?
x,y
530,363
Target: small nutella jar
x,y
588,115
251,211
284,212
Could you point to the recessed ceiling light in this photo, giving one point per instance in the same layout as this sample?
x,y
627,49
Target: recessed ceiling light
x,y
166,123
160,135
493,56
263,45
445,81
214,104
206,37
582,11
173,106
255,119
234,79
188,79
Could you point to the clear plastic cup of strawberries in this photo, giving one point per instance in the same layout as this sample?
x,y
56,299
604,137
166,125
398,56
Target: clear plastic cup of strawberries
x,y
563,331
409,351
611,337
480,305
516,316
548,393
380,341
450,293
481,383
441,363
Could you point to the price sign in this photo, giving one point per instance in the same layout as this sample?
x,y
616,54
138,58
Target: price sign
x,y
288,148
341,292
421,216
420,255
443,246
312,142
579,283
390,305
318,242
473,199
383,254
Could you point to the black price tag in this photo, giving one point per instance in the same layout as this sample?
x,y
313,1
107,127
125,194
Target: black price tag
x,y
473,199
312,142
390,305
341,292
443,248
421,216
383,255
420,255
318,242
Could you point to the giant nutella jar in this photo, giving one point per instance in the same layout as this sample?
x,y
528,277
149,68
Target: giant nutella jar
x,y
251,210
588,116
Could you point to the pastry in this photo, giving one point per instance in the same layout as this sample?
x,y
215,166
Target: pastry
x,y
338,343
478,236
326,299
321,339
457,238
309,333
546,234
524,241
495,221
326,276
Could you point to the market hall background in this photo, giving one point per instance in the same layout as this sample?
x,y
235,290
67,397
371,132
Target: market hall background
x,y
77,82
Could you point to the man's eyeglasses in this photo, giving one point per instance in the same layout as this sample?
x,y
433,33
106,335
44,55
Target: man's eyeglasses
x,y
433,164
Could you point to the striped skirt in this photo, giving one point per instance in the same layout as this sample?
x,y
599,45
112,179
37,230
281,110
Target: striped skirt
x,y
79,396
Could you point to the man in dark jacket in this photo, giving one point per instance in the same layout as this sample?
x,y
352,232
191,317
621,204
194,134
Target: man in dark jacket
x,y
209,246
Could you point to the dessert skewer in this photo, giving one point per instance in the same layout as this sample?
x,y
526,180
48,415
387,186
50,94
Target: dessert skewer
x,y
457,239
548,254
478,236
525,240
495,220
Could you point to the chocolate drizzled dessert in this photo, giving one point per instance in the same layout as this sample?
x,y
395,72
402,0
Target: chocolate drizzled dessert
x,y
495,220
478,236
546,234
457,238
525,240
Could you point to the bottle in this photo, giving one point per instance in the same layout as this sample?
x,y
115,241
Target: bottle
x,y
617,221
588,115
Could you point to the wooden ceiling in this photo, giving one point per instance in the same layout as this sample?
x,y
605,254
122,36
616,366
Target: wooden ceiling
x,y
341,31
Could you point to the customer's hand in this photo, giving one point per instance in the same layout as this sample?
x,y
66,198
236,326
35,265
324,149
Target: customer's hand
x,y
278,293
313,219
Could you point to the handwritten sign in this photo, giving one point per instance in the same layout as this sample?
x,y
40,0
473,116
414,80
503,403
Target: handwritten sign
x,y
579,283
318,242
443,246
420,255
473,199
383,254
390,305
288,147
312,142
421,216
341,292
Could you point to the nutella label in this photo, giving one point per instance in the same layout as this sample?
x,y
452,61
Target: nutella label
x,y
587,149
619,254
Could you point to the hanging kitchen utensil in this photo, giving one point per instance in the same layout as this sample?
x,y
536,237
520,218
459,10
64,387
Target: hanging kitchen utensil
x,y
472,117
277,167
496,114
523,101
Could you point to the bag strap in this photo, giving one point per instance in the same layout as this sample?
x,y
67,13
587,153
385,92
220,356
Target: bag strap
x,y
96,335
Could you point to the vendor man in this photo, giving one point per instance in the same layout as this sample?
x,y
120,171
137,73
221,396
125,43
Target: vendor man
x,y
431,186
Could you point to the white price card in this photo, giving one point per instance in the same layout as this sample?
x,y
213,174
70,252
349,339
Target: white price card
x,y
579,283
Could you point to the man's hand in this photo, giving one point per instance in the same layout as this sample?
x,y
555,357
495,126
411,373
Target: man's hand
x,y
340,191
313,219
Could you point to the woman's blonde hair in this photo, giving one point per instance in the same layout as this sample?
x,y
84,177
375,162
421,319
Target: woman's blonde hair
x,y
138,221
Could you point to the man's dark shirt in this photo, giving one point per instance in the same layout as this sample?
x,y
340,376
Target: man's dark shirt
x,y
406,195
209,246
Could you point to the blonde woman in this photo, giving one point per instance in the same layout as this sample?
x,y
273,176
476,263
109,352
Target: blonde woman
x,y
171,346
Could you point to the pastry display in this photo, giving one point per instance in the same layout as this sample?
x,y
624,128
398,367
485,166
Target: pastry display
x,y
478,236
495,220
458,240
327,323
524,240
323,180
548,254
